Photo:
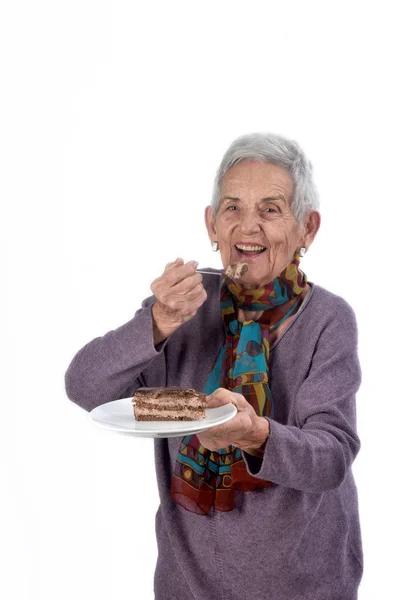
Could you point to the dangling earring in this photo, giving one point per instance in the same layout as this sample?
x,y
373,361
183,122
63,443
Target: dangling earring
x,y
215,246
302,251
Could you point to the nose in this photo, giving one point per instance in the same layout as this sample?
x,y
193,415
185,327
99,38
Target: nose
x,y
249,224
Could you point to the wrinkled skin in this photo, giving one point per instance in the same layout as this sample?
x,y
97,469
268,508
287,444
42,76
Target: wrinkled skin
x,y
246,430
179,294
253,219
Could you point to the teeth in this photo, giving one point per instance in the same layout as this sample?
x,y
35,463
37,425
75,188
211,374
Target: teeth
x,y
250,248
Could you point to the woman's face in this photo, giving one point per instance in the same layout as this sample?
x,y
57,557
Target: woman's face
x,y
254,223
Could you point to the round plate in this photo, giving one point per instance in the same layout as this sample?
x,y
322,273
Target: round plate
x,y
118,416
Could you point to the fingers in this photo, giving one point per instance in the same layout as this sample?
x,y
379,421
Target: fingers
x,y
187,308
179,292
219,397
188,284
238,431
177,261
178,271
175,273
223,396
233,432
176,301
179,280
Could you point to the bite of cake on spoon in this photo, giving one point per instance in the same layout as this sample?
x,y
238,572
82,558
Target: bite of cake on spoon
x,y
236,270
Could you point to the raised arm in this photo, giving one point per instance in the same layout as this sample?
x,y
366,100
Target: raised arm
x,y
108,366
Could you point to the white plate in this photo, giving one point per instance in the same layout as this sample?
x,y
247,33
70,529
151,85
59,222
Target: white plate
x,y
118,416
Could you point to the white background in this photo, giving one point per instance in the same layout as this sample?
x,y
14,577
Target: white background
x,y
114,118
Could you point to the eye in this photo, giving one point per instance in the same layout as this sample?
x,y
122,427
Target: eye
x,y
270,208
232,207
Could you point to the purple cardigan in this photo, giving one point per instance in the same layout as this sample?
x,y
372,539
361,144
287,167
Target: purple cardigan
x,y
299,538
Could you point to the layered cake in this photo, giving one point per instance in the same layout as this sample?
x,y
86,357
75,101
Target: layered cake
x,y
236,270
168,404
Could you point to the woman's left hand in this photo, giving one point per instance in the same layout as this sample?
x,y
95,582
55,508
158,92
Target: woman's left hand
x,y
246,430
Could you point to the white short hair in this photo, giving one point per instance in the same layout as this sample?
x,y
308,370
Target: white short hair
x,y
277,150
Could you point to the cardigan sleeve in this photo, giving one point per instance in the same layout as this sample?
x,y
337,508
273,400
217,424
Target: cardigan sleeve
x,y
316,454
107,366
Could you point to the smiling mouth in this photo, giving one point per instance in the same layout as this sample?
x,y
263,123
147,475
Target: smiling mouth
x,y
250,249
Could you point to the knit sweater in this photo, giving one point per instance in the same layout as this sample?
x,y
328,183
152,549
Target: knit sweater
x,y
298,539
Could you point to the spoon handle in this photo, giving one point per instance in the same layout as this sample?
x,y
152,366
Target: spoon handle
x,y
209,273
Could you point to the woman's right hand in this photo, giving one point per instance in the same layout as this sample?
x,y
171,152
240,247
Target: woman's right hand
x,y
179,294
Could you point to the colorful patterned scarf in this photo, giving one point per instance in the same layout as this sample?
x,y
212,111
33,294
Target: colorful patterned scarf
x,y
203,478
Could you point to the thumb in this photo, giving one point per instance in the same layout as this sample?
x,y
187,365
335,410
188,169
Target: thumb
x,y
220,397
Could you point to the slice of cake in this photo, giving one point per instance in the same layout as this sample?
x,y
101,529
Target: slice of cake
x,y
236,270
168,404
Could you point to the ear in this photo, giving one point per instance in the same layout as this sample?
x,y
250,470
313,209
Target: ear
x,y
311,224
210,223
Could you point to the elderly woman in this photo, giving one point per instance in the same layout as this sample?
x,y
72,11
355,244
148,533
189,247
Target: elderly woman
x,y
264,506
